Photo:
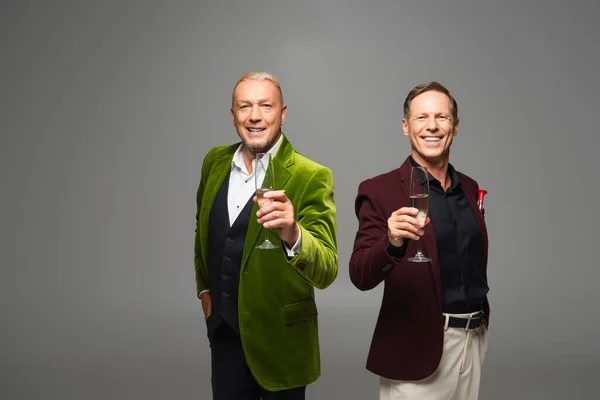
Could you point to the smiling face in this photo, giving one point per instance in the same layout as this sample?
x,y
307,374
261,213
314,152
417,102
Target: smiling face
x,y
257,113
431,128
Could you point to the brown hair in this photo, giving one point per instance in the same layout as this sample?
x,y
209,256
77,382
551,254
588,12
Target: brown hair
x,y
428,87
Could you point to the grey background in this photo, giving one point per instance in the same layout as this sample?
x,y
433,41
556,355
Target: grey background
x,y
108,108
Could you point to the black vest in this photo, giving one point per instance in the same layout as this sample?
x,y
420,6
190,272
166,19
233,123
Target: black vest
x,y
226,246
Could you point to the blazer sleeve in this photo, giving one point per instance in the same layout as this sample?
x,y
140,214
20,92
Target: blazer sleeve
x,y
317,261
370,262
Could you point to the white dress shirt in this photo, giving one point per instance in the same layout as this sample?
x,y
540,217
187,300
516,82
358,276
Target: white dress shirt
x,y
242,187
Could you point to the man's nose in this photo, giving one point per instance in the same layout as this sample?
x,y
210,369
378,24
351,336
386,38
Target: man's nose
x,y
431,124
255,113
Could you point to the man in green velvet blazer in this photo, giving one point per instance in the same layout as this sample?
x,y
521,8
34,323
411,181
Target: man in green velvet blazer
x,y
260,304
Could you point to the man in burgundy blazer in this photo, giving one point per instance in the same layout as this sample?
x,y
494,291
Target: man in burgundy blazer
x,y
430,338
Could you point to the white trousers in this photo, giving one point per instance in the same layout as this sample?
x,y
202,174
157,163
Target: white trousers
x,y
456,378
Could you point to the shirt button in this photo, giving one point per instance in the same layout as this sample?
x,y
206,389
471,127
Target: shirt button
x,y
228,240
455,222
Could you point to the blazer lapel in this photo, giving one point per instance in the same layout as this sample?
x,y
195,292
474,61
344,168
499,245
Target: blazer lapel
x,y
282,161
219,171
429,248
471,194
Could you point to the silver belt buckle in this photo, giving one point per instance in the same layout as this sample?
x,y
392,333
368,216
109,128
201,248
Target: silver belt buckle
x,y
479,315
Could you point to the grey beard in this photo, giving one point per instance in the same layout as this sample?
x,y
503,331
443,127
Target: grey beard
x,y
261,148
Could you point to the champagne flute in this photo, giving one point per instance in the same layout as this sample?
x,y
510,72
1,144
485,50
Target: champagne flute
x,y
264,178
419,199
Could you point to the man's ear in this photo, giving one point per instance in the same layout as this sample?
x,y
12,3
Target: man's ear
x,y
283,113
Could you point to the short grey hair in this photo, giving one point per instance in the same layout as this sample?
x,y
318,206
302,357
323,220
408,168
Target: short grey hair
x,y
258,76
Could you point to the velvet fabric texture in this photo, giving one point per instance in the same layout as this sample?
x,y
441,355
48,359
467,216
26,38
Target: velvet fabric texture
x,y
276,303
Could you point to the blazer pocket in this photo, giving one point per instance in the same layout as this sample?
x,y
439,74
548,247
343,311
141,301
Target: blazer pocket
x,y
298,312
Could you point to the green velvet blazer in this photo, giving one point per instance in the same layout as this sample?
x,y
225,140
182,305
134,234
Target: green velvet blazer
x,y
276,301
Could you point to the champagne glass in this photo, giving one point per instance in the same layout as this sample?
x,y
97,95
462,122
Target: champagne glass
x,y
264,178
419,199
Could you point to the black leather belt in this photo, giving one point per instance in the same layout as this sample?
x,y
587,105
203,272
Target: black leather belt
x,y
466,323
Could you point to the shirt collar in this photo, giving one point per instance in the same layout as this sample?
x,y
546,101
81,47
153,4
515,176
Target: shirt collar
x,y
238,157
454,181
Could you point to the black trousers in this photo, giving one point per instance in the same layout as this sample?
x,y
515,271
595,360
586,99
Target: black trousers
x,y
231,378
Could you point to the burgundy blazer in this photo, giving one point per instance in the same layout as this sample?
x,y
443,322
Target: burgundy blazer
x,y
408,338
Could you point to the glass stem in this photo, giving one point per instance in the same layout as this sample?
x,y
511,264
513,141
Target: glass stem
x,y
419,247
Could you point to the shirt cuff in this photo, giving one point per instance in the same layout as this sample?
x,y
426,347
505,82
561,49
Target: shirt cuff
x,y
204,291
397,252
297,246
